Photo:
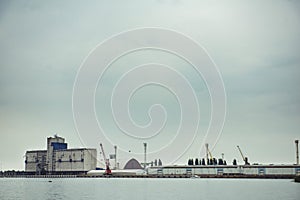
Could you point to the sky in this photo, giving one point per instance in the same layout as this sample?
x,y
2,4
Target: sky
x,y
254,44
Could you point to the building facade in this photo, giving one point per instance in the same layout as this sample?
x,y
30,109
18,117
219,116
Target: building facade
x,y
59,159
36,161
253,170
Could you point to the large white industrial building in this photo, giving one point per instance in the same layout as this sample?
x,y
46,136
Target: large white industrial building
x,y
59,159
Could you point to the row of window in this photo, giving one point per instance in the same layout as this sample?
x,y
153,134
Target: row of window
x,y
71,160
59,160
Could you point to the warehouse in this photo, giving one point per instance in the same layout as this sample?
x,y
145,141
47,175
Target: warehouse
x,y
58,159
246,170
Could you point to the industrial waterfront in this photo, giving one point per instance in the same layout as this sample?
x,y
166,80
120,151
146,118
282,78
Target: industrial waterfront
x,y
57,161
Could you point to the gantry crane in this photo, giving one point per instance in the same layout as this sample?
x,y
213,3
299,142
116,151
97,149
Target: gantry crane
x,y
245,159
107,169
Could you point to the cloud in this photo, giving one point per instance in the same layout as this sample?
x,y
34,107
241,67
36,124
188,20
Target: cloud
x,y
255,45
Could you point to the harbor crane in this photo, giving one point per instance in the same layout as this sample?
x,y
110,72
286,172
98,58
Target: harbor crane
x,y
208,152
107,169
210,155
245,159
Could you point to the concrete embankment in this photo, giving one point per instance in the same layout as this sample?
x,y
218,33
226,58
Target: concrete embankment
x,y
240,176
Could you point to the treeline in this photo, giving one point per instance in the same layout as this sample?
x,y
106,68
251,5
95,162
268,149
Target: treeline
x,y
12,173
212,161
202,161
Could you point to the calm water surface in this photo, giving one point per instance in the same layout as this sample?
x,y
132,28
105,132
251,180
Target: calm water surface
x,y
156,189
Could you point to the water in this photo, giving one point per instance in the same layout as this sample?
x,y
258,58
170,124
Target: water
x,y
152,189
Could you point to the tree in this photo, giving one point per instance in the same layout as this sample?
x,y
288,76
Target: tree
x,y
215,161
220,161
203,161
196,161
159,162
190,162
234,162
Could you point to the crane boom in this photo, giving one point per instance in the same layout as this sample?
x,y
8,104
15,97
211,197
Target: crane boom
x,y
107,170
245,159
208,152
241,152
210,155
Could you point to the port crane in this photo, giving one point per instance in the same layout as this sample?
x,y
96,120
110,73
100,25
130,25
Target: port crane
x,y
107,169
245,159
210,155
208,152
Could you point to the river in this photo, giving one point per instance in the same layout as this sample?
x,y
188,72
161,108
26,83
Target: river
x,y
152,189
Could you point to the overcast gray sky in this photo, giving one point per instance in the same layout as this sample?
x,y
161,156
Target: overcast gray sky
x,y
255,45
